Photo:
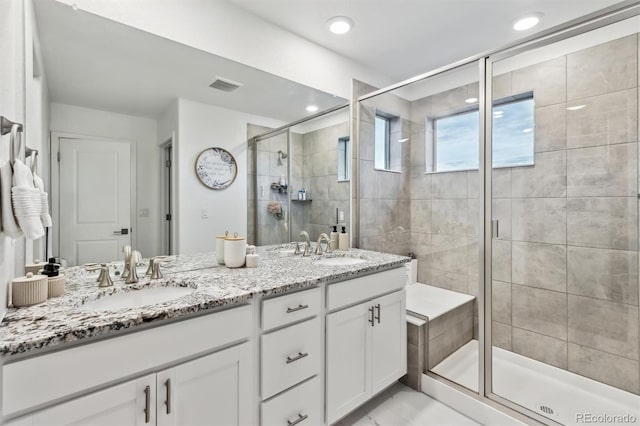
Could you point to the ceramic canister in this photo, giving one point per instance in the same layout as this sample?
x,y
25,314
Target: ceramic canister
x,y
29,290
34,267
220,247
56,286
235,250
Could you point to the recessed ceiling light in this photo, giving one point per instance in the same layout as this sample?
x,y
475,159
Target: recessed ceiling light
x,y
340,24
498,113
575,108
311,108
403,140
527,130
527,22
471,100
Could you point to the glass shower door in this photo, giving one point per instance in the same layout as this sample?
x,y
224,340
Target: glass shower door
x,y
564,200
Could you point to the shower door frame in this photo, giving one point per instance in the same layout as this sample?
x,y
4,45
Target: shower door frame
x,y
607,16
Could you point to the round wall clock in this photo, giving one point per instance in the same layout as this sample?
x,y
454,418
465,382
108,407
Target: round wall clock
x,y
216,168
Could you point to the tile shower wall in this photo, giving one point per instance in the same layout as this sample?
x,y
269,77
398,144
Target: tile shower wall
x,y
315,168
384,195
270,229
565,265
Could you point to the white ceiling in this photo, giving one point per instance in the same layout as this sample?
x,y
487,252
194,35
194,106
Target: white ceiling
x,y
404,38
92,62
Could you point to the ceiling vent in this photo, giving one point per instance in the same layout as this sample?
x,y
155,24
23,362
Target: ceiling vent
x,y
225,84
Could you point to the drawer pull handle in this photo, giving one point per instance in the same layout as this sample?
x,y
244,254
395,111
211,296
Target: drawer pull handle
x,y
147,404
299,308
297,357
167,384
371,317
378,309
301,418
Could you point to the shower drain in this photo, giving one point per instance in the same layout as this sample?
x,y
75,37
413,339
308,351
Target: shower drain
x,y
546,409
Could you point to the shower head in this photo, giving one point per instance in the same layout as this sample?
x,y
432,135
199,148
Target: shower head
x,y
283,155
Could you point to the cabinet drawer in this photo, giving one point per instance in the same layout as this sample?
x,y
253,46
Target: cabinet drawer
x,y
289,308
349,292
289,356
301,405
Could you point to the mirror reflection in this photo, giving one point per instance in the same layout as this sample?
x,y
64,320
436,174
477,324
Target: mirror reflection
x,y
129,114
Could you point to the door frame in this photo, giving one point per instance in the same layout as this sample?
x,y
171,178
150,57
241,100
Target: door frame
x,y
169,142
54,170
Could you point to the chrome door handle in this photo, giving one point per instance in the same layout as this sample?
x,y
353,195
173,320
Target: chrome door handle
x,y
301,418
297,357
299,308
167,385
371,319
147,404
123,231
378,309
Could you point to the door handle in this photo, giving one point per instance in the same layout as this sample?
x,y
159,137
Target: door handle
x,y
297,357
378,309
371,318
147,404
123,231
167,385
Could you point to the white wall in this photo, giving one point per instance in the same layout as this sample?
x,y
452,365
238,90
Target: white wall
x,y
11,106
228,31
203,126
91,122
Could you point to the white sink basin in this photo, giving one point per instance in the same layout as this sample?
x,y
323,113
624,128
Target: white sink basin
x,y
339,261
137,298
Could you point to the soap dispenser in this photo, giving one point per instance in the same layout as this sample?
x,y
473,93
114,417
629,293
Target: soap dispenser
x,y
344,239
334,238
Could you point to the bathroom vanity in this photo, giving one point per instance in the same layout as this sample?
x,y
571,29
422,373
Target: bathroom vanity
x,y
295,341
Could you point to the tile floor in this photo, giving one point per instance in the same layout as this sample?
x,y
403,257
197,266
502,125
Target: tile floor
x,y
402,406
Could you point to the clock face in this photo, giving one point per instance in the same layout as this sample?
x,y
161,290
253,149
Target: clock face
x,y
216,168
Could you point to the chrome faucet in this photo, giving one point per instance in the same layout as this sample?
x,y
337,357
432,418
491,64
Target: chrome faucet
x,y
132,278
156,273
126,249
323,237
307,244
104,280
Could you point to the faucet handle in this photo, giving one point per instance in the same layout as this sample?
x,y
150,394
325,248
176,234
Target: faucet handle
x,y
104,279
157,261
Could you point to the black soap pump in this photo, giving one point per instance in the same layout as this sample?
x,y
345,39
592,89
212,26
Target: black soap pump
x,y
51,269
344,239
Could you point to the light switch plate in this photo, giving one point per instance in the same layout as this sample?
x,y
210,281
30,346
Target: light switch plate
x,y
204,213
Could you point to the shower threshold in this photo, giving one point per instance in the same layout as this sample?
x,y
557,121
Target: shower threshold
x,y
558,394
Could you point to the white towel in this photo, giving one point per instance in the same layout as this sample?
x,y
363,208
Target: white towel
x,y
44,200
9,225
27,203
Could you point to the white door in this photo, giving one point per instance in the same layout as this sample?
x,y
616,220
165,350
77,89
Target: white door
x,y
212,390
131,403
95,200
348,360
389,341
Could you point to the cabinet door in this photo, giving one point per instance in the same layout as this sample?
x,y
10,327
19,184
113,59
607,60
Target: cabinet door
x,y
212,390
389,341
131,403
348,370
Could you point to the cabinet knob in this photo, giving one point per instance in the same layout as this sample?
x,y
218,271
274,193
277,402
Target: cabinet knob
x,y
301,418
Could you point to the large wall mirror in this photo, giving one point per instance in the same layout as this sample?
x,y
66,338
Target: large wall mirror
x,y
128,113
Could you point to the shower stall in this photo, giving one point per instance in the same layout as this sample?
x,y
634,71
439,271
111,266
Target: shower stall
x,y
513,179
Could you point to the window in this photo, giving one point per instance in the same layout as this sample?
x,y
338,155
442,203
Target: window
x,y
382,142
343,159
455,145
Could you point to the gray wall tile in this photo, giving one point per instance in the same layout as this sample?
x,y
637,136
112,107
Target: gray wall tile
x,y
449,253
501,260
607,326
547,178
604,68
543,348
539,265
501,301
541,220
603,222
604,367
501,335
449,217
603,274
603,171
538,310
551,128
449,185
546,79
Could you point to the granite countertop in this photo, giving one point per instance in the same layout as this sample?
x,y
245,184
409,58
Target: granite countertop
x,y
63,319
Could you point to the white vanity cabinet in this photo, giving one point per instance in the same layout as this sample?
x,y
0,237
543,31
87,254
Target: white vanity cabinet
x,y
366,343
215,388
